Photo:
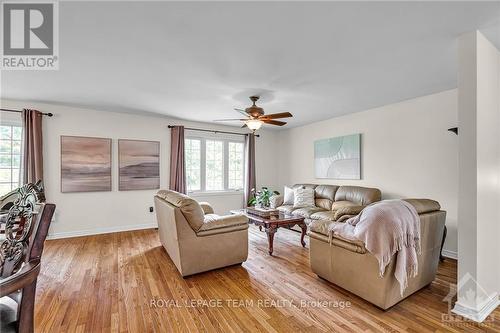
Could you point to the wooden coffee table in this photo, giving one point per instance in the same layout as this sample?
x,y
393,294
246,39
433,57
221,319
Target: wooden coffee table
x,y
272,223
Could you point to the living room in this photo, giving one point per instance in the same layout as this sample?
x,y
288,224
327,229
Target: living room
x,y
146,100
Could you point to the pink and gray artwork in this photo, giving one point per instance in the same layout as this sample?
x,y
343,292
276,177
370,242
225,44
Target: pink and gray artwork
x,y
85,164
139,163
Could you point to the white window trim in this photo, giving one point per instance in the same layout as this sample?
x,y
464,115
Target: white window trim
x,y
217,137
11,122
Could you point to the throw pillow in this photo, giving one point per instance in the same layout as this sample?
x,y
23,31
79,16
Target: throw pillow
x,y
275,201
303,197
288,196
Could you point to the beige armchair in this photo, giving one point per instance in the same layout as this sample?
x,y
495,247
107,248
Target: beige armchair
x,y
196,239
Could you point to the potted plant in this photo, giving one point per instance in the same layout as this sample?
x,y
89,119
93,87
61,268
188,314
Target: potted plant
x,y
261,198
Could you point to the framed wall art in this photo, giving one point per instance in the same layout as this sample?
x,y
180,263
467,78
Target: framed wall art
x,y
139,165
85,164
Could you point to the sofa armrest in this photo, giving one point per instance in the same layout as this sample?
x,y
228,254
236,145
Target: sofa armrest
x,y
213,221
207,208
276,200
423,206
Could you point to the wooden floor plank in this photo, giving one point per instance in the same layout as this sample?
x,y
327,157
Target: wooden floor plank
x,y
108,283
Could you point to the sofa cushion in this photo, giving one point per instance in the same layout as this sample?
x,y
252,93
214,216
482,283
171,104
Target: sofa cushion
x,y
325,195
342,204
323,203
286,209
303,197
307,211
189,207
326,191
287,195
423,206
324,215
357,194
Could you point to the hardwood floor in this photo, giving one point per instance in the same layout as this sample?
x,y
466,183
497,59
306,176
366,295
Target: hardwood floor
x,y
125,282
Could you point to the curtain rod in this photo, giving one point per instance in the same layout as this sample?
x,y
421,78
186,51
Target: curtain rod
x,y
213,131
19,111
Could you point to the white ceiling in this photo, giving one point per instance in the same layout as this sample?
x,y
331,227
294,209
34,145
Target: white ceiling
x,y
197,61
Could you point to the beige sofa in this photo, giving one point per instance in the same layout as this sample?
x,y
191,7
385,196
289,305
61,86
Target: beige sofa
x,y
196,239
349,265
331,202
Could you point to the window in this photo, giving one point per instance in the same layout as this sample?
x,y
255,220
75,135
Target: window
x,y
10,157
193,164
214,164
235,165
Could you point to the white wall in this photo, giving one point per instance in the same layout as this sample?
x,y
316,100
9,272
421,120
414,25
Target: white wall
x,y
479,171
406,151
96,212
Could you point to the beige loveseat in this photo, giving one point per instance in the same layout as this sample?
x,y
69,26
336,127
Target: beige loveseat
x,y
196,239
349,265
331,202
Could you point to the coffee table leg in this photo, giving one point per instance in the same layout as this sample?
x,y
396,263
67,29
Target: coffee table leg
x,y
304,230
270,238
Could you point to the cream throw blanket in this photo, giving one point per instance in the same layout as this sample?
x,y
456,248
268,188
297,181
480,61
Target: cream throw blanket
x,y
386,228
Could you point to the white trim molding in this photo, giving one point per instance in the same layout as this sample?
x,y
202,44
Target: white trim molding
x,y
196,194
99,231
477,315
450,254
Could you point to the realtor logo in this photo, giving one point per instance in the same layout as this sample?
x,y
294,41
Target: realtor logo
x,y
29,35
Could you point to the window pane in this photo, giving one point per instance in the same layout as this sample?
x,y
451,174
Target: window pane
x,y
16,147
4,175
235,165
10,157
16,161
5,161
5,132
214,165
192,151
17,133
5,146
15,176
5,188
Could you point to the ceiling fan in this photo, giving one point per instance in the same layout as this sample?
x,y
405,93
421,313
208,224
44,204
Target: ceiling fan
x,y
255,116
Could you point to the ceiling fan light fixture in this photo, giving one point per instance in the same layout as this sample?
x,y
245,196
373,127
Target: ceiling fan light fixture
x,y
254,124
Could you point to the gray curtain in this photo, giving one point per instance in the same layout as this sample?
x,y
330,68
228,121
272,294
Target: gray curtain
x,y
177,165
249,167
32,151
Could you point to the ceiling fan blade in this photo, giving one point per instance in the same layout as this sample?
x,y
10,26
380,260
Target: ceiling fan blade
x,y
277,115
274,122
230,119
243,112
